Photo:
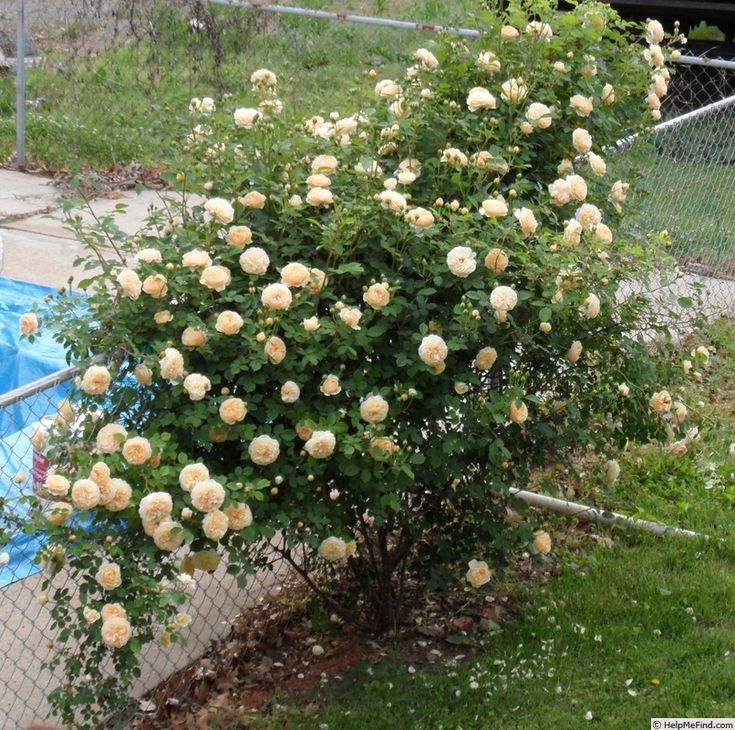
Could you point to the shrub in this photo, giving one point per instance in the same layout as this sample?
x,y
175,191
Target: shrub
x,y
374,325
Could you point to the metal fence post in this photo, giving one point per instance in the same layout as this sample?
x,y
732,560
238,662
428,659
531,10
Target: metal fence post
x,y
20,87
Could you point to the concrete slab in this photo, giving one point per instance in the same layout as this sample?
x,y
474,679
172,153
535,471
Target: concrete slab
x,y
24,195
130,220
39,259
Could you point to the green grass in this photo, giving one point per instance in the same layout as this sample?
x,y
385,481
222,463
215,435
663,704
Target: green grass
x,y
130,103
644,628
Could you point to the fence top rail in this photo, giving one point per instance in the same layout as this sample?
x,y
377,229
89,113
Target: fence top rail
x,y
687,60
49,381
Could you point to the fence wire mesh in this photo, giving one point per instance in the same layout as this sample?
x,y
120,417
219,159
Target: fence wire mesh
x,y
28,633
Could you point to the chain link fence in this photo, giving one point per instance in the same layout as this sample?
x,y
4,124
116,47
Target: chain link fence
x,y
28,634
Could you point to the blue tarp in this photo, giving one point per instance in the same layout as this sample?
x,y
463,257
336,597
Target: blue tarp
x,y
21,363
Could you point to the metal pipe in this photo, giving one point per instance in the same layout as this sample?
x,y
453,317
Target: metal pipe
x,y
593,514
703,61
49,381
347,17
20,86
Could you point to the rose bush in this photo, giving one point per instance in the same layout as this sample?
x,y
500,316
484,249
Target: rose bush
x,y
377,322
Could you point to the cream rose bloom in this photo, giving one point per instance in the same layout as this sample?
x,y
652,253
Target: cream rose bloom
x,y
433,351
527,220
169,535
486,358
233,410
374,409
573,232
325,164
276,296
193,337
591,307
245,118
503,299
581,141
542,542
319,197
295,275
122,494
426,58
137,450
454,157
220,209
100,474
96,380
290,392
130,283
333,549
514,90
311,324
192,474
57,513
560,192
155,286
57,485
575,351
478,573
654,32
318,180
612,471
263,79
391,200
330,385
518,413
275,349
113,610
588,216
110,438
163,317
85,494
109,576
28,323
321,444
253,200
387,89
239,236
207,495
228,322
597,164
155,506
488,62
351,317
215,524
661,402
420,218
196,259
216,278
624,390
197,386
494,207
143,374
461,261
172,364
149,256
618,191
116,632
480,98
608,94
263,450
577,187
377,296
539,115
496,260
581,104
239,515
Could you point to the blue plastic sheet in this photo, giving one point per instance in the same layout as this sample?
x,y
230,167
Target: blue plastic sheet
x,y
20,364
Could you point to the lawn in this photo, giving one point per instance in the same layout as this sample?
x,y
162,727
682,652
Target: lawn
x,y
633,628
130,102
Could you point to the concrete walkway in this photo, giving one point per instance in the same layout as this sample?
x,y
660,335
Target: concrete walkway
x,y
37,246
